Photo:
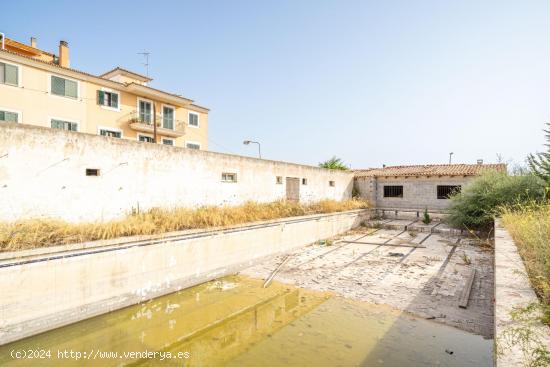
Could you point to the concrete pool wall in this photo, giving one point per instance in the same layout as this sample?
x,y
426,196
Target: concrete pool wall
x,y
43,289
513,292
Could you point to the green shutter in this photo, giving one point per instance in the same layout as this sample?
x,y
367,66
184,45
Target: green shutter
x,y
2,116
71,88
114,100
10,116
56,124
58,86
11,76
100,97
2,68
64,125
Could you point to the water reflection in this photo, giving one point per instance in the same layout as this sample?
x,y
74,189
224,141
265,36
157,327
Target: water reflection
x,y
212,323
236,322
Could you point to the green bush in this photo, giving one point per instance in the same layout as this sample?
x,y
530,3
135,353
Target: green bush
x,y
485,197
426,219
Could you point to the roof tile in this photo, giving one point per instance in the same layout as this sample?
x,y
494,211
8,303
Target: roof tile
x,y
430,170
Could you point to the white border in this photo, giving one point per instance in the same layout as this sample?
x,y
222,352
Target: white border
x,y
152,108
172,140
19,74
194,142
49,87
162,105
19,114
142,134
109,90
77,122
198,119
114,129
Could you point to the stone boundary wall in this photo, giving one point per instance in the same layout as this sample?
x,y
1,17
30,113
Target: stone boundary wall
x,y
43,173
43,289
512,291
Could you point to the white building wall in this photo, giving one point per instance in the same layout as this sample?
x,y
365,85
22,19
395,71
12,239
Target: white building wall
x,y
42,174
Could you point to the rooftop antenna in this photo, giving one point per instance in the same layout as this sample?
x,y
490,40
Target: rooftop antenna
x,y
146,63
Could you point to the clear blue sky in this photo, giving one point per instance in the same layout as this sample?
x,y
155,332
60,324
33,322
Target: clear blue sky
x,y
373,82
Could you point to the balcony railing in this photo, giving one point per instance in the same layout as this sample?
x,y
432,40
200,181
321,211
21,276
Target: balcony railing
x,y
166,127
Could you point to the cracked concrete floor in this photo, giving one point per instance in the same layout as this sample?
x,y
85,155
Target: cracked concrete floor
x,y
420,273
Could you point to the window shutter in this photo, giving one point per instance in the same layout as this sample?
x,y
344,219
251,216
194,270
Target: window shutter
x,y
114,100
2,68
11,116
71,89
11,74
58,86
56,124
100,97
2,116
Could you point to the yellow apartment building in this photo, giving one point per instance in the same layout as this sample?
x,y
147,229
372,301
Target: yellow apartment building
x,y
40,88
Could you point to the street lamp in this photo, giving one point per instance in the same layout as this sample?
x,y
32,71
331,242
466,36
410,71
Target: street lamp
x,y
247,142
450,157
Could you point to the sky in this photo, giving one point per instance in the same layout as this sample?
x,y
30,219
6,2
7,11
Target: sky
x,y
372,82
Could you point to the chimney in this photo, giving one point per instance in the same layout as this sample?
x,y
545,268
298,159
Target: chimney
x,y
64,54
480,161
33,42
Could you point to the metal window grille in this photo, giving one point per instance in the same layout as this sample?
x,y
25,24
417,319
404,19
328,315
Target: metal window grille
x,y
393,191
446,191
229,177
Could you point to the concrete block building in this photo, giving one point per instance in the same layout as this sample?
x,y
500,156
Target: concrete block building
x,y
418,186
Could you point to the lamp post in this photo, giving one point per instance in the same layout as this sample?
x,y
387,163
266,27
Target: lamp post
x,y
450,157
247,142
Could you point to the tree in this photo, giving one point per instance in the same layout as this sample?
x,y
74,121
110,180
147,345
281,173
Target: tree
x,y
334,163
539,163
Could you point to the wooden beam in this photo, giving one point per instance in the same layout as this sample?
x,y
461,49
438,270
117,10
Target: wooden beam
x,y
465,296
270,278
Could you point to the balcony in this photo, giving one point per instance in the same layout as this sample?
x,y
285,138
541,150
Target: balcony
x,y
144,123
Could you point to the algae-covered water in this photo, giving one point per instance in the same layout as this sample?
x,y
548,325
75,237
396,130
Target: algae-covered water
x,y
235,322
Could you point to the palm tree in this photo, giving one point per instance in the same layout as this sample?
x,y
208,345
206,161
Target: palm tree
x,y
539,163
334,163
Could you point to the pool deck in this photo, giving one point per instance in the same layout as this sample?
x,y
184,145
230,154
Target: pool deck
x,y
411,269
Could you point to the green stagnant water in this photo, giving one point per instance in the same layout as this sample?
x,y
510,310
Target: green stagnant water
x,y
235,322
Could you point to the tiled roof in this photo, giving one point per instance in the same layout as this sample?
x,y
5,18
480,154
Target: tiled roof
x,y
430,170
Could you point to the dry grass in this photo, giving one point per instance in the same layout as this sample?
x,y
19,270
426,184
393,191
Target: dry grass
x,y
35,233
529,225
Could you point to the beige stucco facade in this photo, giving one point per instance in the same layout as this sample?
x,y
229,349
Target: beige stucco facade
x,y
35,104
